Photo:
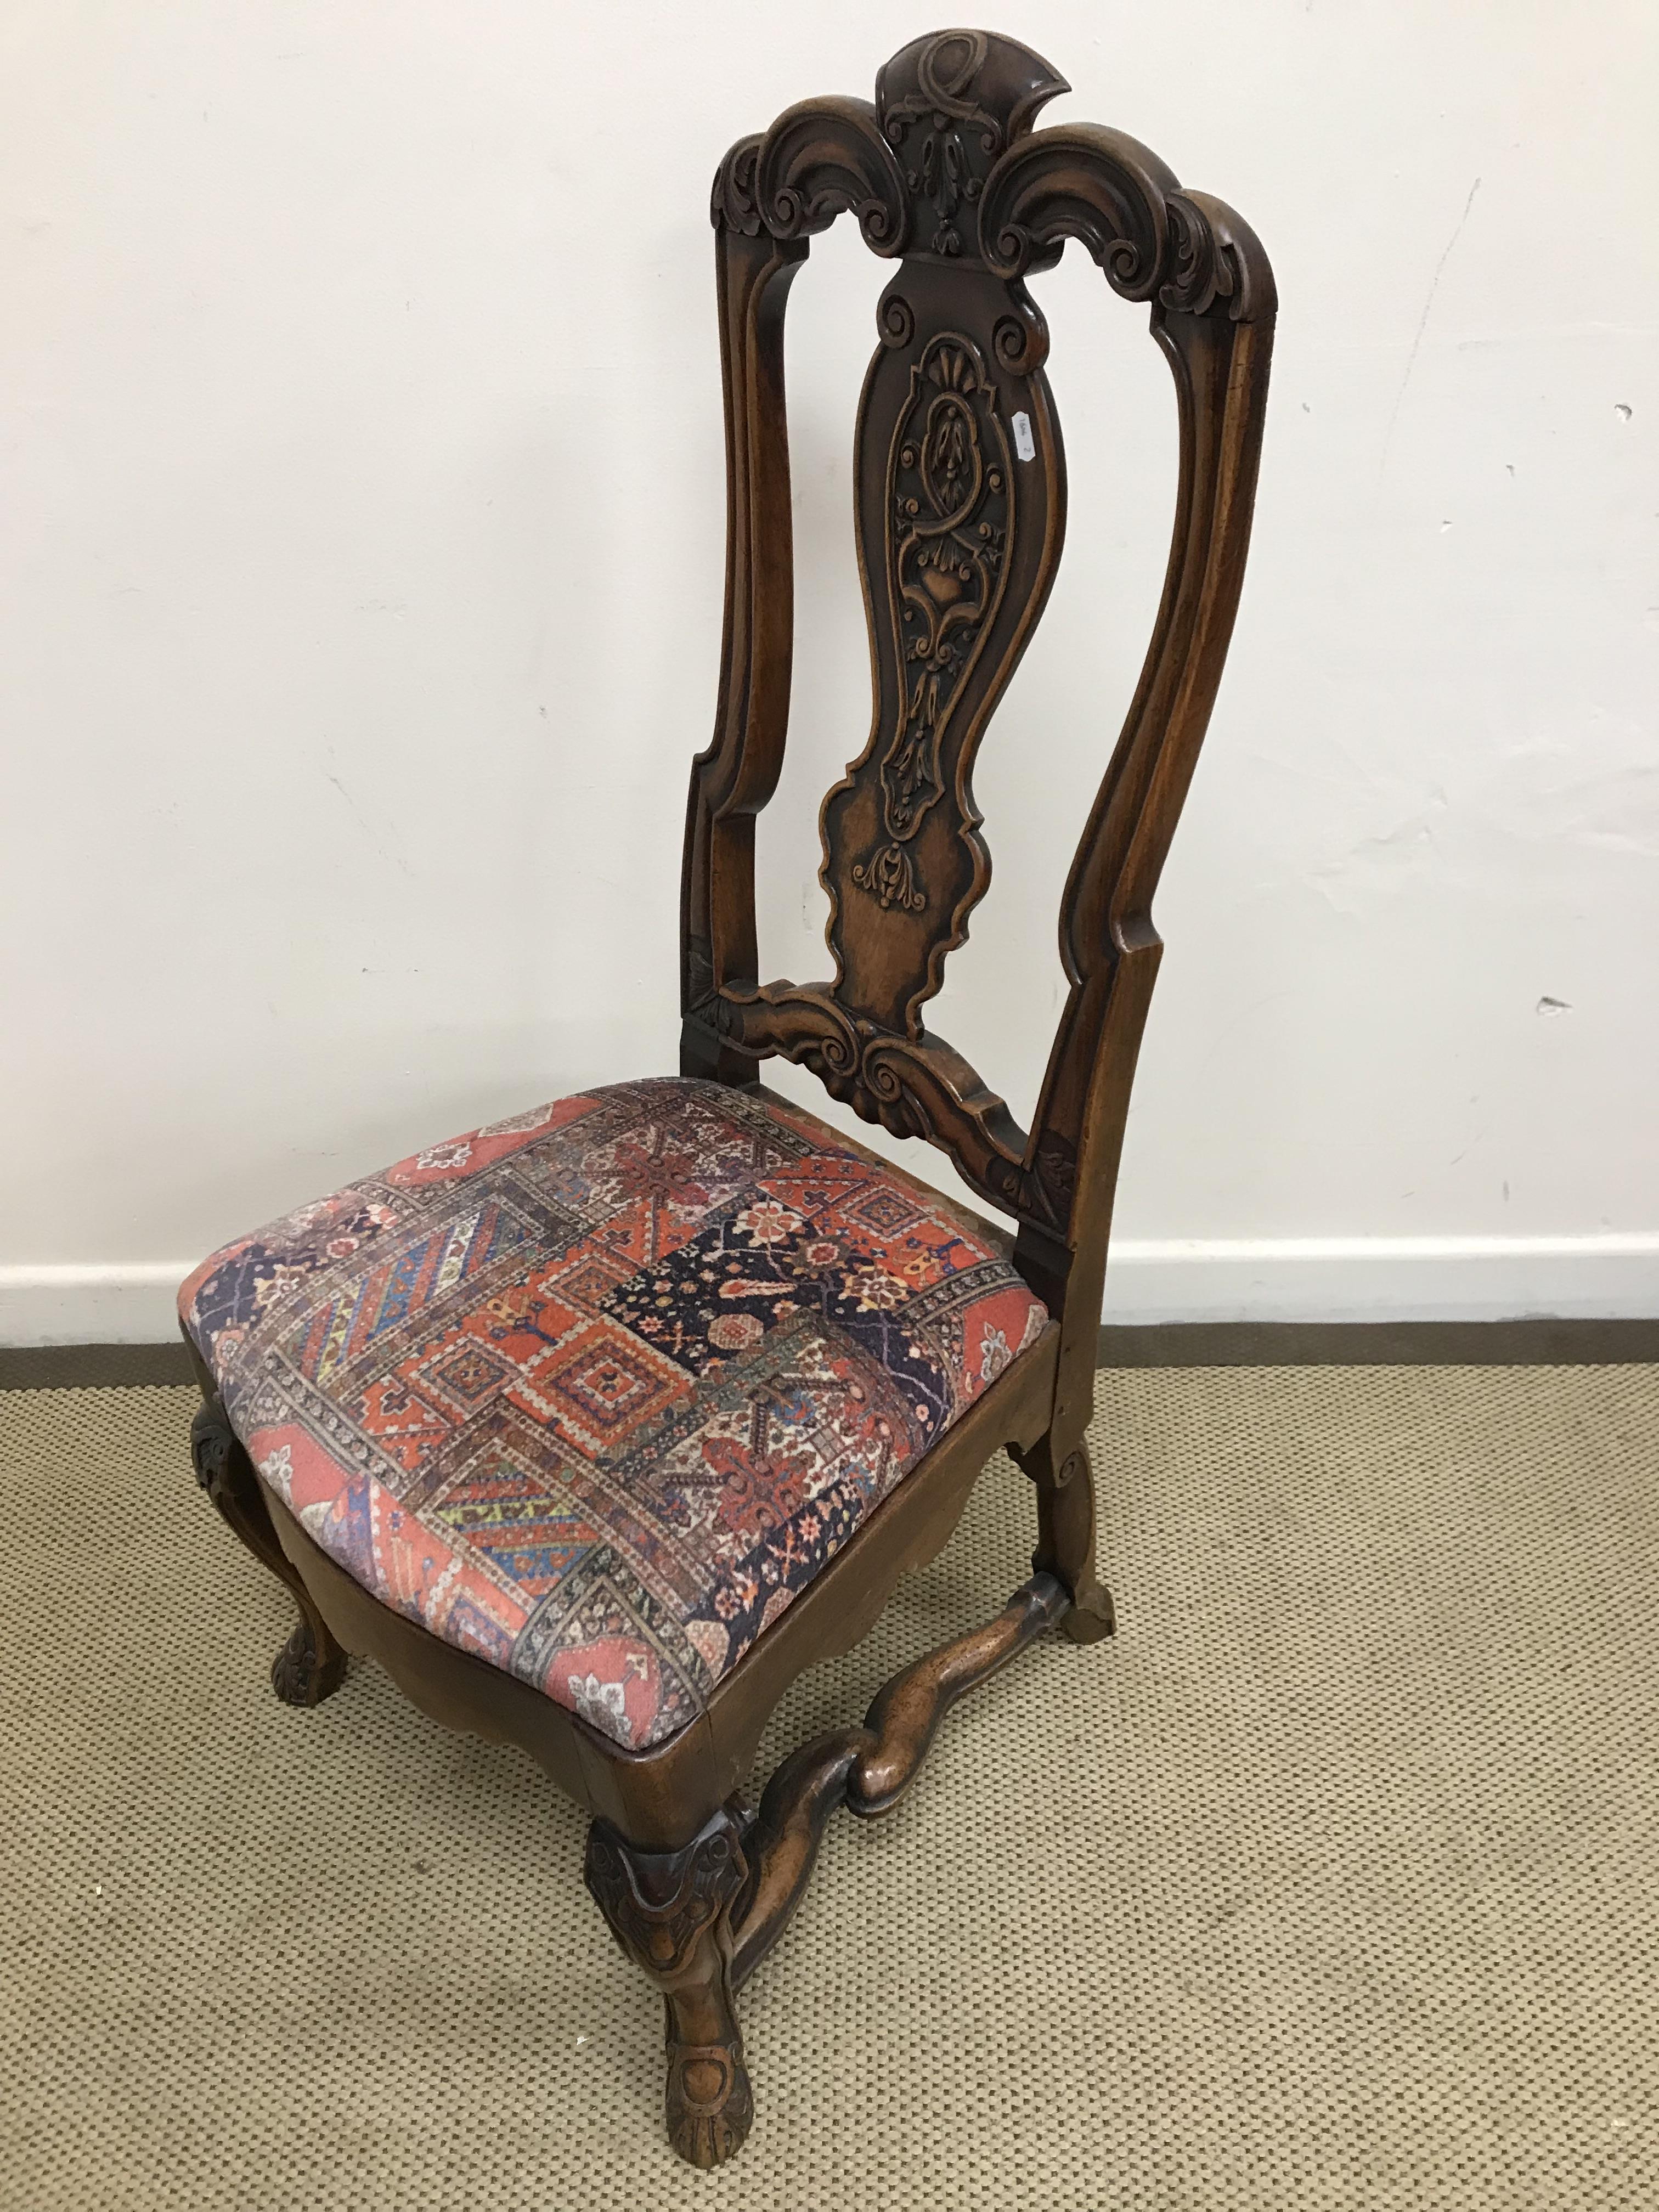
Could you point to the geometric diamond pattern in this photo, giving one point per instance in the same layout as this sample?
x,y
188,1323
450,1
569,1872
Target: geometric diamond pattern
x,y
596,1392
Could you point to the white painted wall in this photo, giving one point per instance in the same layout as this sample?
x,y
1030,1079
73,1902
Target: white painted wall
x,y
362,539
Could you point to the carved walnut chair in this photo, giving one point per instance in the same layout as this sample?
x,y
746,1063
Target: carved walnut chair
x,y
595,1427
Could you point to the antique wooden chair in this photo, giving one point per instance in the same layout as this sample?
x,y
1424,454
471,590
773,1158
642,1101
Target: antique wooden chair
x,y
597,1426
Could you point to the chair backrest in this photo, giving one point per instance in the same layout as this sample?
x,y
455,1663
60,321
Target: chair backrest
x,y
961,503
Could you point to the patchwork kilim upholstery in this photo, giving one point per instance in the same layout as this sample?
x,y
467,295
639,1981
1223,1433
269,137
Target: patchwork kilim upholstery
x,y
595,1391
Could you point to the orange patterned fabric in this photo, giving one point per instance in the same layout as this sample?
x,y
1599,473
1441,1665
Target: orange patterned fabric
x,y
595,1391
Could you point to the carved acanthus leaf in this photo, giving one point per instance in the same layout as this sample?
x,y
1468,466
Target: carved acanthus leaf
x,y
914,1087
734,204
825,156
1152,241
1215,255
950,517
950,104
658,1904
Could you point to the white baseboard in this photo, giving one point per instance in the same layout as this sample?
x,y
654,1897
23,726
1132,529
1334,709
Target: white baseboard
x,y
1331,1279
1382,1279
127,1303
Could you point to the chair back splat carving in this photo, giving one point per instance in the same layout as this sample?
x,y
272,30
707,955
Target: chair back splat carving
x,y
961,510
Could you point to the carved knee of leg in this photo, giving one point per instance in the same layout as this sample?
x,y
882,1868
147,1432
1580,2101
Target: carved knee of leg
x,y
670,1912
311,1666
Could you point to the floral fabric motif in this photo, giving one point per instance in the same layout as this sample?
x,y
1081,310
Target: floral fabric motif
x,y
596,1392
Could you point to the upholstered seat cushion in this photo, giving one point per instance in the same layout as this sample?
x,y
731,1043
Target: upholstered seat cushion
x,y
595,1391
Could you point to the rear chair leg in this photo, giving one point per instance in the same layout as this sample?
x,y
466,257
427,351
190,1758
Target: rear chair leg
x,y
672,1912
1065,1534
311,1666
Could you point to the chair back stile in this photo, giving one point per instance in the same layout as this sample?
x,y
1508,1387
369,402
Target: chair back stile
x,y
960,492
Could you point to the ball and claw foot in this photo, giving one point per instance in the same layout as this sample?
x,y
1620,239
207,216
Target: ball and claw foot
x,y
300,1675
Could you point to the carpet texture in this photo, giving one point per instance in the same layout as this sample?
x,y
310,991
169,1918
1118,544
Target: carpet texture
x,y
1334,1880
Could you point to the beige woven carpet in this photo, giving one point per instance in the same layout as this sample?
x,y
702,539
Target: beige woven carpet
x,y
1334,1880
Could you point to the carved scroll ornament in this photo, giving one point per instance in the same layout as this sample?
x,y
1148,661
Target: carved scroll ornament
x,y
670,1912
959,529
913,1086
950,494
1153,241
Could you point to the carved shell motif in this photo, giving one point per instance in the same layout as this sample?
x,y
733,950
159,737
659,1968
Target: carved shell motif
x,y
949,503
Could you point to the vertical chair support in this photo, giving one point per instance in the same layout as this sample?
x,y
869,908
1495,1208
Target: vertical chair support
x,y
699,1920
739,773
672,1912
311,1666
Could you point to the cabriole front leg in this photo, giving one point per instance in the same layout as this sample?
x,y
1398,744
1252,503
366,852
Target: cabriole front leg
x,y
672,1912
311,1666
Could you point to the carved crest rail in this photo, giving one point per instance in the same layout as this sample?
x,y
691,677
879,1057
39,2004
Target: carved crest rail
x,y
960,500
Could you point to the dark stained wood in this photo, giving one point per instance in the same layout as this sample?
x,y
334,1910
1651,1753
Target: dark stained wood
x,y
312,1665
672,1912
868,1769
961,515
